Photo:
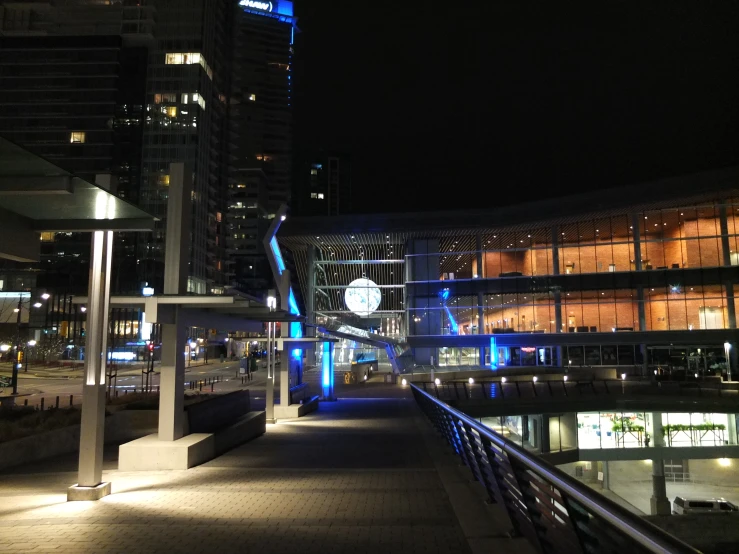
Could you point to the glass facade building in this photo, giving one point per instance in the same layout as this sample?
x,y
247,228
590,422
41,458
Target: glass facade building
x,y
640,277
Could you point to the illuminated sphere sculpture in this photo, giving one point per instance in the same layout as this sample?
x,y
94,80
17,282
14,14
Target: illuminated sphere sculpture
x,y
362,297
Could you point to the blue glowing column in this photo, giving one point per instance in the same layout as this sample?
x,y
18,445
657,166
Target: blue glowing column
x,y
493,354
327,371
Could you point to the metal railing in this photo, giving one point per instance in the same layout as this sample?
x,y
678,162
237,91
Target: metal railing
x,y
555,512
519,389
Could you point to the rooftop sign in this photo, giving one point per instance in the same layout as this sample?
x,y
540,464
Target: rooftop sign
x,y
282,8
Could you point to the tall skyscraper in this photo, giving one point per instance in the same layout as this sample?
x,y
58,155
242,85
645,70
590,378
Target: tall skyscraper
x,y
260,121
323,185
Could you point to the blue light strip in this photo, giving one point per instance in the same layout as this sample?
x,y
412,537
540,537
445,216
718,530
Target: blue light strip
x,y
493,353
277,254
326,372
444,296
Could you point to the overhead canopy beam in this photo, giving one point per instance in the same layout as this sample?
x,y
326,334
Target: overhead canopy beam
x,y
36,185
18,240
88,225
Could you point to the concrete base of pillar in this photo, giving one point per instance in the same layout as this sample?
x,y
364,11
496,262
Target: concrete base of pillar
x,y
150,453
296,410
76,493
660,506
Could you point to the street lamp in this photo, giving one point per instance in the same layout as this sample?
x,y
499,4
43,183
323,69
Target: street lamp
x,y
45,296
270,393
29,343
727,347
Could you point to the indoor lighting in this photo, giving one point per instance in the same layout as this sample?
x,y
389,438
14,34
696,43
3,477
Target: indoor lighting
x,y
471,381
83,309
437,381
404,382
45,296
724,462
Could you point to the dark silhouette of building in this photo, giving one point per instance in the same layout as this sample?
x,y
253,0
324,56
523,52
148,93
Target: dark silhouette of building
x,y
323,185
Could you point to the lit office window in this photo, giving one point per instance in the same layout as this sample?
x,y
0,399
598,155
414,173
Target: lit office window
x,y
320,196
188,58
314,172
314,195
47,237
185,98
252,97
171,111
77,137
165,97
163,180
199,99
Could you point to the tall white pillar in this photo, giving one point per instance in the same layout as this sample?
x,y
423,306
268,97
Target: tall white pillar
x,y
90,485
269,411
172,381
285,375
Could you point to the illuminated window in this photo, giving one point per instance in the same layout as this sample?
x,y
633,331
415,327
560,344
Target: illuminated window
x,y
320,196
188,58
165,97
199,99
163,180
77,137
185,98
218,216
171,111
314,172
47,237
314,195
252,97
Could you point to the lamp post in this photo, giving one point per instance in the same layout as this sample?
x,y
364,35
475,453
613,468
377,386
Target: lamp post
x,y
727,348
270,405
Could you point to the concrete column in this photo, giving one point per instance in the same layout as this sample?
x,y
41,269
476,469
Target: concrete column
x,y
657,438
555,250
731,428
606,483
641,308
725,247
478,256
481,324
635,224
285,374
659,503
172,381
327,371
730,307
310,303
544,438
90,486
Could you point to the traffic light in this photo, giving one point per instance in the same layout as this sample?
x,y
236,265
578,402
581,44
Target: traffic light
x,y
150,346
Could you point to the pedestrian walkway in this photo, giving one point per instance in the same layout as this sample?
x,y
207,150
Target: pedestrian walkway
x,y
357,476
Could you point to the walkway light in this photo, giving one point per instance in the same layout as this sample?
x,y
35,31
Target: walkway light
x,y
83,309
471,381
37,305
4,347
31,342
437,381
724,462
45,296
535,378
565,377
503,379
404,382
271,302
623,376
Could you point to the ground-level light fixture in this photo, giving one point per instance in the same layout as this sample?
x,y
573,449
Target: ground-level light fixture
x,y
437,381
83,309
535,378
404,382
31,342
471,381
16,310
724,462
37,305
4,347
503,379
623,376
46,296
565,378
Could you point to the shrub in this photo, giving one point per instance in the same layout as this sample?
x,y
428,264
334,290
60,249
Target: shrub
x,y
16,423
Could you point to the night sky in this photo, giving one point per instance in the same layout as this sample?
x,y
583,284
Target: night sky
x,y
497,102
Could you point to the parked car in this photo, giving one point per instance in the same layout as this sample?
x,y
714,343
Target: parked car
x,y
702,506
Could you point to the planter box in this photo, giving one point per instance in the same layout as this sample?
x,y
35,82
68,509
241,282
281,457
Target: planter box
x,y
119,427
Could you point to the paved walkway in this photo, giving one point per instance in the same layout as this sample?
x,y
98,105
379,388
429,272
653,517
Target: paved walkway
x,y
356,477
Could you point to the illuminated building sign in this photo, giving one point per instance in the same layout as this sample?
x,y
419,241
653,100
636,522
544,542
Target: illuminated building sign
x,y
281,8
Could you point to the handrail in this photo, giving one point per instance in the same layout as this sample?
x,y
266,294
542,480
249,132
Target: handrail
x,y
557,513
521,389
